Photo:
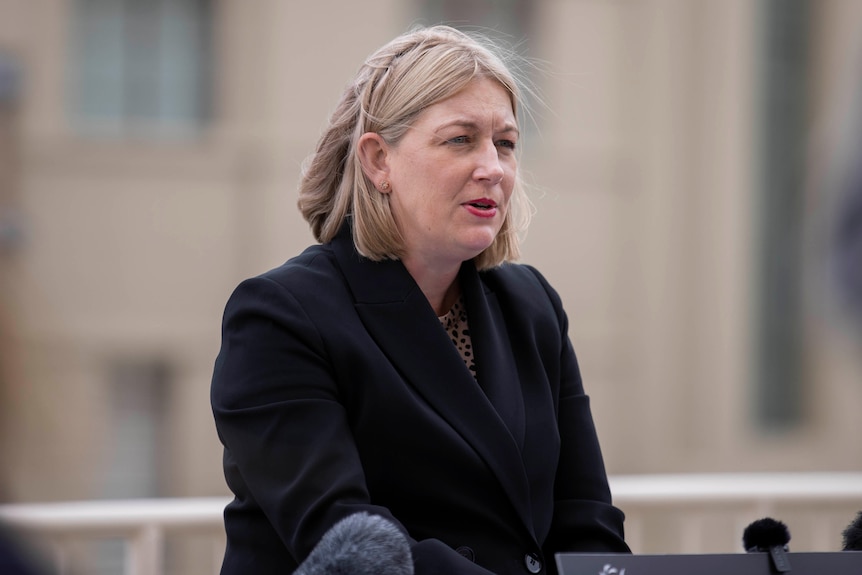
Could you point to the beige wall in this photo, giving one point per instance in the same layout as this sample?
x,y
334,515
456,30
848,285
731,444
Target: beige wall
x,y
643,167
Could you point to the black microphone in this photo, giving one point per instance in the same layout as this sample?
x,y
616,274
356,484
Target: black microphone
x,y
853,535
768,535
360,544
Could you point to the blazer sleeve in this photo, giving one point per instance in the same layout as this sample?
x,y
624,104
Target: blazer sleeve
x,y
289,450
584,518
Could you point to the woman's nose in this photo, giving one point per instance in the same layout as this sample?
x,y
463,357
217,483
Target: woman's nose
x,y
489,168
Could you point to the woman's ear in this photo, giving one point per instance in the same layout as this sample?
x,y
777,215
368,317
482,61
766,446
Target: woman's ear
x,y
373,152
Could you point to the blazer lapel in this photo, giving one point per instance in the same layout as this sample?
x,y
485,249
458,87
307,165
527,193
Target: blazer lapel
x,y
402,322
496,369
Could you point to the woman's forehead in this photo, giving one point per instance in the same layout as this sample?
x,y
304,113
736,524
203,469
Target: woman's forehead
x,y
482,100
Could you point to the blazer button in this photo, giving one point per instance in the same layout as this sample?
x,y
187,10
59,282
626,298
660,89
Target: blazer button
x,y
531,560
466,552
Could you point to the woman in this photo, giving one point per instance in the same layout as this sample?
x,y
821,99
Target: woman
x,y
404,367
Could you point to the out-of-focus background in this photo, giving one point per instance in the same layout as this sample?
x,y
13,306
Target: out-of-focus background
x,y
694,166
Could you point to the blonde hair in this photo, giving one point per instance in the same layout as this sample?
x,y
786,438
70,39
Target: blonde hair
x,y
393,86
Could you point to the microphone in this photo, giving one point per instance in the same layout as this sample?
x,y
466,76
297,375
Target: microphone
x,y
768,535
360,544
853,535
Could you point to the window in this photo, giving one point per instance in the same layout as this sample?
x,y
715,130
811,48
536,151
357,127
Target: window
x,y
136,449
141,66
11,224
782,110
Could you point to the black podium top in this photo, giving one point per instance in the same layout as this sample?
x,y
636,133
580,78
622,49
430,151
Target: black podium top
x,y
831,563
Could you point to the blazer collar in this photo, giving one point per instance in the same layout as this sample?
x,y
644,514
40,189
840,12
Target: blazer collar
x,y
402,322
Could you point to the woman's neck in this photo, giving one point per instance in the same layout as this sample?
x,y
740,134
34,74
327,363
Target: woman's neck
x,y
440,287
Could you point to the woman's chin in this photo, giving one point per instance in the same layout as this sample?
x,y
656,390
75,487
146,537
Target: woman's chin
x,y
477,246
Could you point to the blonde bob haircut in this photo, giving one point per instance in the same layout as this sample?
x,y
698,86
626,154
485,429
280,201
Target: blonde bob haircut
x,y
394,85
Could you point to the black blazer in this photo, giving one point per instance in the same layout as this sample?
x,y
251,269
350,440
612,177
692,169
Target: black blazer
x,y
337,390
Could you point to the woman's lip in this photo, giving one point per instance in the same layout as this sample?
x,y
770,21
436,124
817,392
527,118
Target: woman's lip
x,y
488,212
482,202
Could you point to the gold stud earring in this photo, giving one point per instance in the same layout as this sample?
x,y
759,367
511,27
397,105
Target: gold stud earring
x,y
384,186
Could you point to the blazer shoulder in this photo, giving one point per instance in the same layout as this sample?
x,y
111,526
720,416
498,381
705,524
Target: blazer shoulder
x,y
309,279
309,271
519,278
523,287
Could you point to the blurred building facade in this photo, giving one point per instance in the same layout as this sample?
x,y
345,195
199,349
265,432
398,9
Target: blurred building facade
x,y
150,154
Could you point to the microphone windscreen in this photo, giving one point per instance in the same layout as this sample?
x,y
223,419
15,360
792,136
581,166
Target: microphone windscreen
x,y
360,544
765,533
853,535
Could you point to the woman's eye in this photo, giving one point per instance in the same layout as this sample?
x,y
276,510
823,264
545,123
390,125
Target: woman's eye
x,y
460,140
506,144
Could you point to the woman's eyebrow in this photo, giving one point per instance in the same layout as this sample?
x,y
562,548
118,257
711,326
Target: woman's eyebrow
x,y
469,124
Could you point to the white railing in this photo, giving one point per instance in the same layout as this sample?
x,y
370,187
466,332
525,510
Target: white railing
x,y
144,525
687,513
707,513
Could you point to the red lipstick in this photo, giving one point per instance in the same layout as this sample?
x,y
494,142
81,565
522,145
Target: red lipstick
x,y
482,207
